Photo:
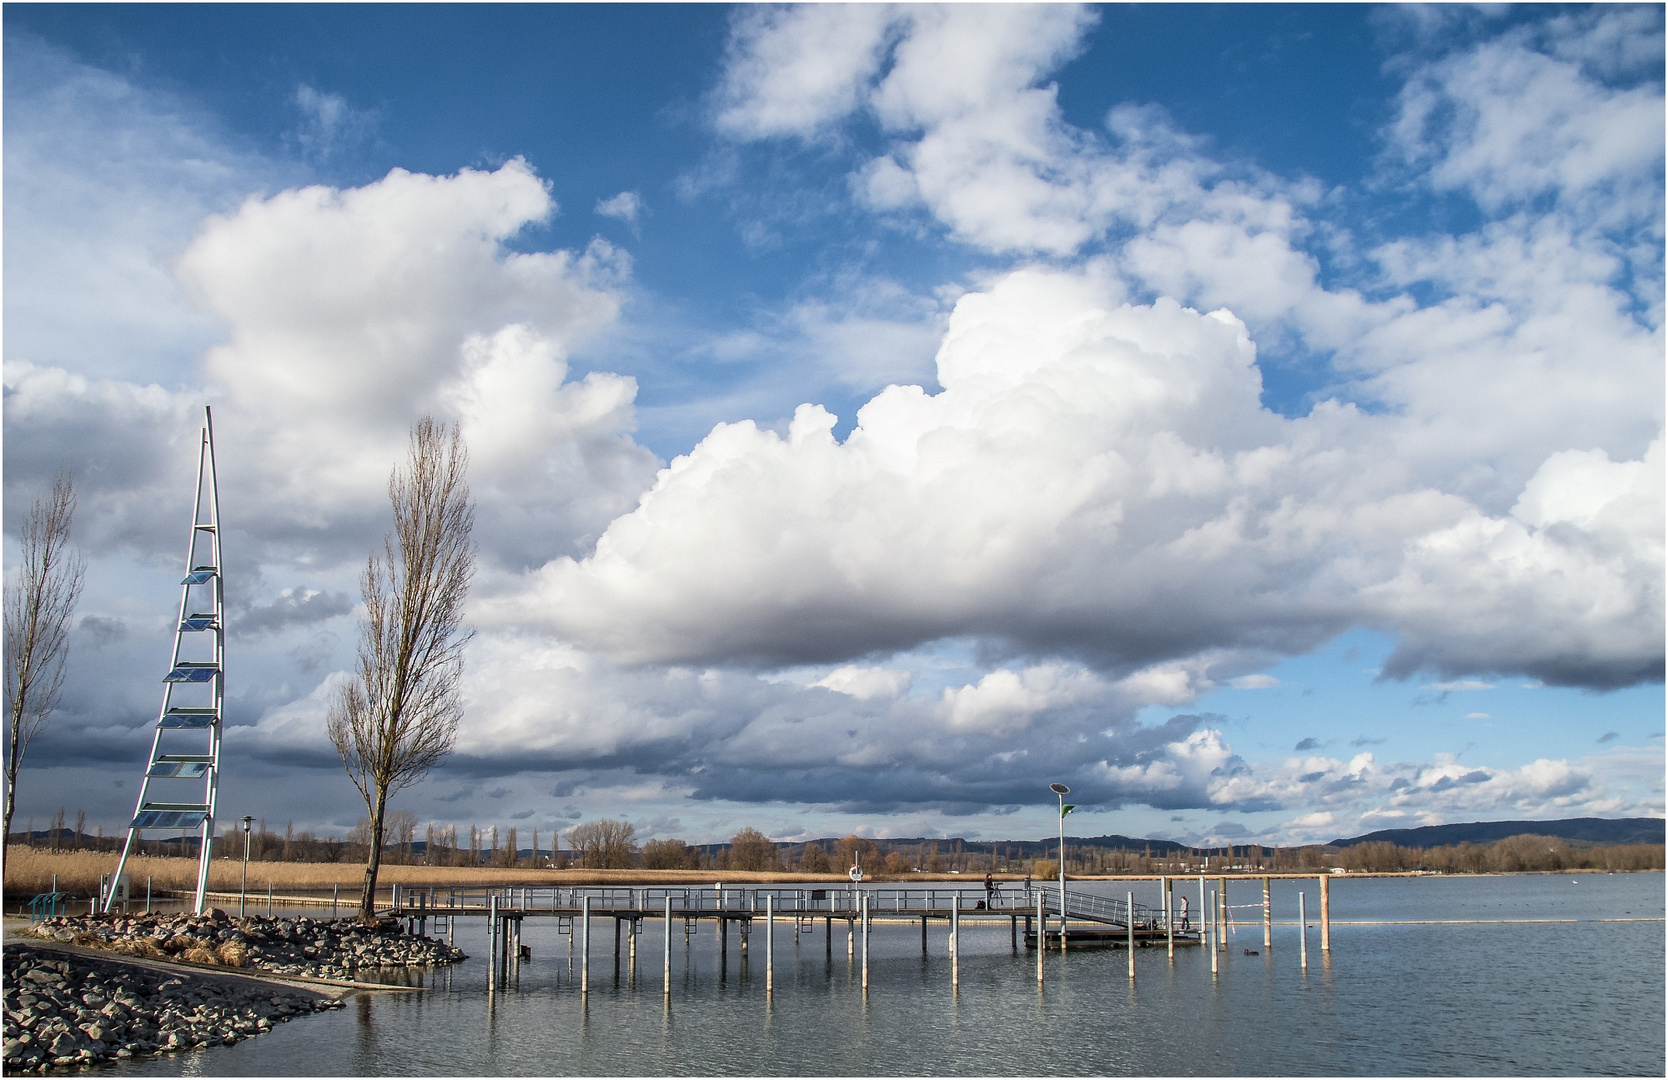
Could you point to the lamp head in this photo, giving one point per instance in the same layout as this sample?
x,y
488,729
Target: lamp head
x,y
246,820
1059,789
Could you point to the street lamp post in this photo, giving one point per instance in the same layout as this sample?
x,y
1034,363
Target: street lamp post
x,y
243,886
1060,792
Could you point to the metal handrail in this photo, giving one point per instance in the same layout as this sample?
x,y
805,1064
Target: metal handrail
x,y
803,901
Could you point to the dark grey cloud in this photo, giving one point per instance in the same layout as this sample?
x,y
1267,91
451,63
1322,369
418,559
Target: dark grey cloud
x,y
293,607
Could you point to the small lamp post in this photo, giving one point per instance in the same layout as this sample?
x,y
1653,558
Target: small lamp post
x,y
243,886
1060,792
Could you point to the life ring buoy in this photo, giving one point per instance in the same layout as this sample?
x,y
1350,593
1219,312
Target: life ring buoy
x,y
855,874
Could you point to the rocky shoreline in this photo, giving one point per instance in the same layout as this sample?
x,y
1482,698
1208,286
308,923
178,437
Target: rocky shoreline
x,y
65,1009
314,948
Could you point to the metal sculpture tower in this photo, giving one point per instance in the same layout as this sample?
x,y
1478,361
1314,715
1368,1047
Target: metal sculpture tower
x,y
183,775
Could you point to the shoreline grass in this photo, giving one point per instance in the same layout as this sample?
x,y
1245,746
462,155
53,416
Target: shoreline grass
x,y
29,871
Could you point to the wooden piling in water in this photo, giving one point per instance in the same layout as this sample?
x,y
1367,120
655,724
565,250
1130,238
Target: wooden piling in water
x,y
1204,915
955,940
495,942
1326,912
1214,944
1042,944
666,957
1167,896
864,905
770,945
923,937
1129,919
584,943
1302,934
1222,914
1268,917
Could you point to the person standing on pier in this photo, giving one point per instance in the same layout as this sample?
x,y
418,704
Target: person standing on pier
x,y
990,891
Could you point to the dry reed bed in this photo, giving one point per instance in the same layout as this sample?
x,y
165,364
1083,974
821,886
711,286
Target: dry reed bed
x,y
29,871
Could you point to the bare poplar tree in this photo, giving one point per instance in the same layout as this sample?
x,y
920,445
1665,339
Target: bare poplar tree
x,y
39,603
398,716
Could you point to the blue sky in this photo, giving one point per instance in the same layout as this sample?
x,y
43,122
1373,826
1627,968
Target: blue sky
x,y
1260,429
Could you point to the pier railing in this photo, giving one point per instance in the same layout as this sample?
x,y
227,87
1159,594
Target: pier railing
x,y
698,900
747,901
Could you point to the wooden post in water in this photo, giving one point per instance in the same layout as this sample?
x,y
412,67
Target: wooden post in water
x,y
666,957
851,935
723,940
1042,934
148,896
1222,915
1062,904
1326,913
923,937
864,908
584,943
1213,944
955,940
828,937
1169,898
770,945
1302,934
492,942
1129,917
1268,916
1204,915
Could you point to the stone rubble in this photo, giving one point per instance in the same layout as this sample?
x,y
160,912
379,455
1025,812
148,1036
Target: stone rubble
x,y
319,948
67,1010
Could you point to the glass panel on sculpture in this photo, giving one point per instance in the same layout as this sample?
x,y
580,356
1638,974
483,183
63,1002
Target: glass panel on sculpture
x,y
187,718
192,673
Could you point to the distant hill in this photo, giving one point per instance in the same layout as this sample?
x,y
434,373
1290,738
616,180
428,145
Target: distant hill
x,y
1588,830
1025,849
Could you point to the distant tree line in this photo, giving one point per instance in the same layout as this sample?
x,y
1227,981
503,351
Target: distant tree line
x,y
1515,853
611,844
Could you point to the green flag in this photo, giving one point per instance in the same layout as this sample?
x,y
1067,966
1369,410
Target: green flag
x,y
1066,809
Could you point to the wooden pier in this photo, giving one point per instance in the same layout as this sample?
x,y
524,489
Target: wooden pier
x,y
582,914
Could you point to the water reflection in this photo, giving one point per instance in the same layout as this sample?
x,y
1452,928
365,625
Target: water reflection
x,y
1389,998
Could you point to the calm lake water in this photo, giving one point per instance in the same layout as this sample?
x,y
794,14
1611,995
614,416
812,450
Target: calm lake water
x,y
1549,998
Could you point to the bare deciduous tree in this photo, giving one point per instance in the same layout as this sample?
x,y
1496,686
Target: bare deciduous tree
x,y
399,715
751,849
815,860
605,844
39,603
668,855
